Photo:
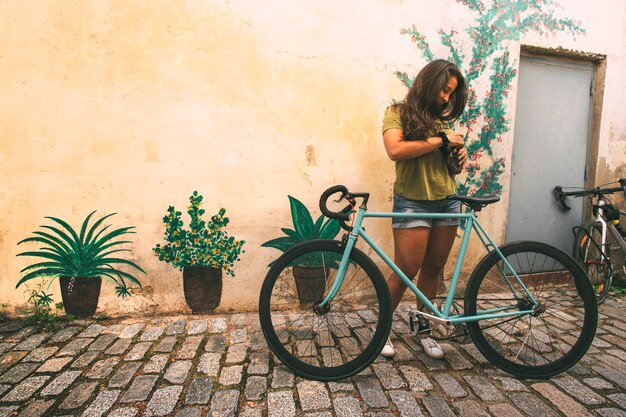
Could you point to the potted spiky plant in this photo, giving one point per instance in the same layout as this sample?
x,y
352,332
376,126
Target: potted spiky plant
x,y
310,275
80,261
202,252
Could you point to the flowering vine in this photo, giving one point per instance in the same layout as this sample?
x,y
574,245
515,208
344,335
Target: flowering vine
x,y
489,71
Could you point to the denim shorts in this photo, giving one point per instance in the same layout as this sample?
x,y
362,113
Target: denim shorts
x,y
402,205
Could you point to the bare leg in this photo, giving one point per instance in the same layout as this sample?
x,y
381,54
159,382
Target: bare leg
x,y
438,248
409,249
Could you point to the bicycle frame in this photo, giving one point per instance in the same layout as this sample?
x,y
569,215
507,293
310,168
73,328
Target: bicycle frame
x,y
472,223
607,226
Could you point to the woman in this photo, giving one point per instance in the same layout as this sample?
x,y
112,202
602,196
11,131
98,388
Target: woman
x,y
415,138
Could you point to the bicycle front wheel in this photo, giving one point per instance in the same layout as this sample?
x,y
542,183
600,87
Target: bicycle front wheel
x,y
594,257
563,323
331,342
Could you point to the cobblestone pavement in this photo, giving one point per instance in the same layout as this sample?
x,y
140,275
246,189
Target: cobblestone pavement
x,y
219,365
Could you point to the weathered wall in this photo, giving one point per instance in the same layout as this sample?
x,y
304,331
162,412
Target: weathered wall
x,y
128,107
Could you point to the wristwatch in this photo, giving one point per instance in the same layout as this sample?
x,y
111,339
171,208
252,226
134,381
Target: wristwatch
x,y
445,139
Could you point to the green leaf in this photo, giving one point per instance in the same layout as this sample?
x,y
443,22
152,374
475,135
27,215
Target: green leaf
x,y
53,242
51,245
44,299
112,235
84,227
290,233
53,279
40,273
68,260
330,229
107,261
282,243
99,244
69,228
65,225
95,226
122,291
53,238
42,265
104,255
46,241
46,255
318,226
109,245
302,220
73,245
109,271
91,240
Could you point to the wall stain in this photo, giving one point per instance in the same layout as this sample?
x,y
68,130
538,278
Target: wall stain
x,y
310,156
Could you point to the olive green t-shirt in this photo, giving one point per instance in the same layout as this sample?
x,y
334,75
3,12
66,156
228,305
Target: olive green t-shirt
x,y
423,178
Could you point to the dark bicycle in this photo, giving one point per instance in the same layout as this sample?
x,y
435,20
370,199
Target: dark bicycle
x,y
596,242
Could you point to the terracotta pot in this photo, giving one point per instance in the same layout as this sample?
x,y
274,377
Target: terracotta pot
x,y
310,283
81,300
203,288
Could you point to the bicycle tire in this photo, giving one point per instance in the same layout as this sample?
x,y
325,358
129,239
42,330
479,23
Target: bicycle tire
x,y
335,343
542,344
587,251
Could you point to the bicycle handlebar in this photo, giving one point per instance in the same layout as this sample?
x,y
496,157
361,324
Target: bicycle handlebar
x,y
597,191
339,215
344,214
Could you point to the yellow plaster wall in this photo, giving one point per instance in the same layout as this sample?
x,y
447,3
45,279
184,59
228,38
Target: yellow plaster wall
x,y
128,107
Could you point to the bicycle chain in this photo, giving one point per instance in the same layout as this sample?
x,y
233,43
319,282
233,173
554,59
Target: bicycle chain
x,y
484,328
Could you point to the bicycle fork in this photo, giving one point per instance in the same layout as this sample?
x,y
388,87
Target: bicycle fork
x,y
349,244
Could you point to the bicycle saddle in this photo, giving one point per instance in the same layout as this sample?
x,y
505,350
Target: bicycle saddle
x,y
475,203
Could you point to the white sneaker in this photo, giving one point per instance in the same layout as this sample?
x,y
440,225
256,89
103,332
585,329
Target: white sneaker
x,y
388,351
432,348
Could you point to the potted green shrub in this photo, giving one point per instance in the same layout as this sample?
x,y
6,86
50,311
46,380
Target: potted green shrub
x,y
202,252
310,275
80,260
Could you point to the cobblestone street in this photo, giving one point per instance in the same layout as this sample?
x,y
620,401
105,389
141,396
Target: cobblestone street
x,y
219,365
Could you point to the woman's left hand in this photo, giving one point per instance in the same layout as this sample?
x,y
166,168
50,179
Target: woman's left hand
x,y
461,155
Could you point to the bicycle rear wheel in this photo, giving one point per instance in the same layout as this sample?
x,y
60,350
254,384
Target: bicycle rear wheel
x,y
561,329
594,258
334,342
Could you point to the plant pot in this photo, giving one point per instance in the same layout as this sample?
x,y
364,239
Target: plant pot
x,y
310,283
203,288
81,300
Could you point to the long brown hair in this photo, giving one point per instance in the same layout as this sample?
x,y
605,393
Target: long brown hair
x,y
420,111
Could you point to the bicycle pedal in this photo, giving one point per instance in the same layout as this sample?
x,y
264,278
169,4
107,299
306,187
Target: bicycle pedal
x,y
419,325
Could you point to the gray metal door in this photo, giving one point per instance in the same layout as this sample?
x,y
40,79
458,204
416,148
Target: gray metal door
x,y
552,123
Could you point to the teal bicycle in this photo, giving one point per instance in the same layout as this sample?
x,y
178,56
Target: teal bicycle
x,y
325,310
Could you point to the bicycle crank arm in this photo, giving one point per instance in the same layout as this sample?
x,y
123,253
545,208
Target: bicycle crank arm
x,y
440,320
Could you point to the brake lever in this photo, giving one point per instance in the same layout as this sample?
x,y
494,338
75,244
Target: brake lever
x,y
560,198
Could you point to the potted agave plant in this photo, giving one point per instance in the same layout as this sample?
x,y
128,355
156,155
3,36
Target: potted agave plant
x,y
310,275
202,252
80,261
